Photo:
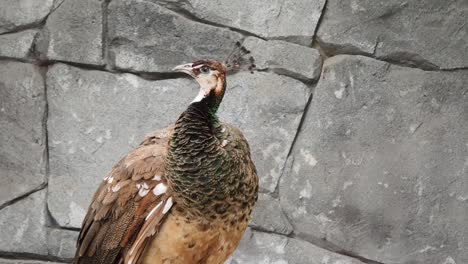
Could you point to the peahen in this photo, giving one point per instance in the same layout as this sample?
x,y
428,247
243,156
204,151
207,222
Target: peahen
x,y
184,195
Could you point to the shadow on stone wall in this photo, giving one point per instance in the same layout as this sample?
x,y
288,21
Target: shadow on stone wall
x,y
357,119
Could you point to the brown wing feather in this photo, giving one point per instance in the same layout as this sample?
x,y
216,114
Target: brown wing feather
x,y
121,219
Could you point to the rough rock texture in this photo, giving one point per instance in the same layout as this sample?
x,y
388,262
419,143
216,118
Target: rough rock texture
x,y
17,45
259,247
377,174
268,215
62,243
23,224
74,32
428,33
380,165
285,58
17,14
86,136
281,19
146,37
22,135
268,109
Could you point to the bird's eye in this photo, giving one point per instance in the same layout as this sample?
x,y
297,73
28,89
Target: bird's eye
x,y
205,69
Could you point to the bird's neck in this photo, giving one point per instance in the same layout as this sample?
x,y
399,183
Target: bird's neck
x,y
195,157
211,94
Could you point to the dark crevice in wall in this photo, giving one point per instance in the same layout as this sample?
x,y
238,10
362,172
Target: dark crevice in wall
x,y
153,76
75,229
54,9
149,76
83,66
31,257
289,74
260,229
24,60
403,59
22,196
315,43
43,72
51,221
177,8
54,224
329,246
104,37
410,60
34,50
301,123
276,193
320,243
18,29
35,25
319,22
460,69
312,84
407,59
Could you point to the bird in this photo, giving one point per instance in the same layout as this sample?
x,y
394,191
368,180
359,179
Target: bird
x,y
184,195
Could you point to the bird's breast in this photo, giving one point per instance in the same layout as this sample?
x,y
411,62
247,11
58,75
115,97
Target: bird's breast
x,y
183,239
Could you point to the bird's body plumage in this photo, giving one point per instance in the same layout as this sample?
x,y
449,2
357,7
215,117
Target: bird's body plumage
x,y
184,195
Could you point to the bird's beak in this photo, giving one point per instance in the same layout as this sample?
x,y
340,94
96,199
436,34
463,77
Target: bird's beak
x,y
185,68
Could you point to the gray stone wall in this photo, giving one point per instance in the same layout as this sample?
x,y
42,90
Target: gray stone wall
x,y
357,119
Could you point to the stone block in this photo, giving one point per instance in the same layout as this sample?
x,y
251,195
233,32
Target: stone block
x,y
258,247
379,167
268,109
18,45
428,33
285,58
22,130
22,225
17,14
268,215
74,32
61,243
294,21
145,37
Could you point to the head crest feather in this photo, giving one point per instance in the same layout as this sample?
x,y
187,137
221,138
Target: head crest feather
x,y
239,59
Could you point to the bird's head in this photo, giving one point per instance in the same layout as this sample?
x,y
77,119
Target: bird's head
x,y
210,75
